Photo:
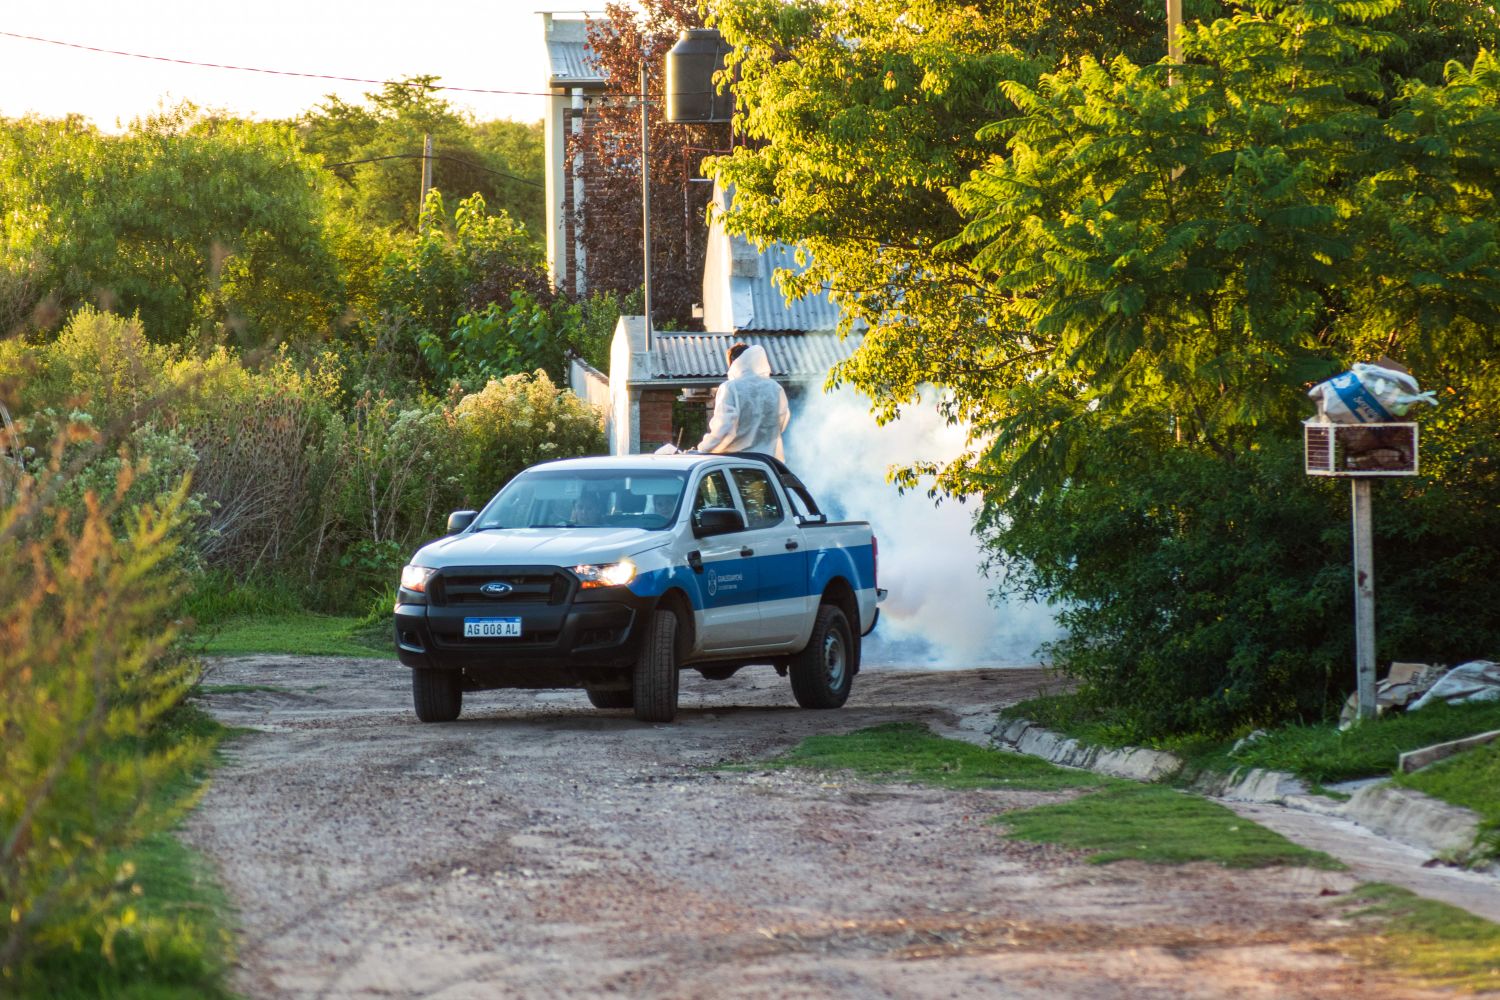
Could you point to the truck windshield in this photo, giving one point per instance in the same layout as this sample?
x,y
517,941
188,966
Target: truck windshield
x,y
591,498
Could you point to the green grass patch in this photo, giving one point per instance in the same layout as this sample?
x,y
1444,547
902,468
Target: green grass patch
x,y
1471,780
298,634
1323,754
1158,825
1439,943
908,751
181,944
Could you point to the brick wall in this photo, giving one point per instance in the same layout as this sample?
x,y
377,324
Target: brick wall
x,y
656,418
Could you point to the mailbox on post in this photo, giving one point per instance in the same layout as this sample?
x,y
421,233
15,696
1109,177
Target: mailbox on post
x,y
1356,436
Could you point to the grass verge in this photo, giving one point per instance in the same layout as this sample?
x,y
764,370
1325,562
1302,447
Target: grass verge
x,y
297,634
181,945
1114,820
1442,944
907,751
1471,780
1318,753
1158,825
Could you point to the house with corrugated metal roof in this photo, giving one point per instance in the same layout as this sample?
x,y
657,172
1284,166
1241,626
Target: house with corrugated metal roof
x,y
659,387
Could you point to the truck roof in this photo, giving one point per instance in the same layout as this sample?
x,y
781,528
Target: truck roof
x,y
679,461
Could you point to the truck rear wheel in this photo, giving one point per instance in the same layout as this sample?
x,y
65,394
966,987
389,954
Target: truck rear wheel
x,y
653,682
822,673
610,697
437,695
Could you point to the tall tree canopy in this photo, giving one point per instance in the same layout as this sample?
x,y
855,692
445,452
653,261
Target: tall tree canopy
x,y
1122,276
501,161
191,220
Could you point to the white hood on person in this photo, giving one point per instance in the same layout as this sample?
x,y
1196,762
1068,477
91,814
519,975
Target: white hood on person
x,y
750,410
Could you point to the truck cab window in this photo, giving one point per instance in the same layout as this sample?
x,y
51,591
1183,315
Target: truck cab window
x,y
762,503
713,491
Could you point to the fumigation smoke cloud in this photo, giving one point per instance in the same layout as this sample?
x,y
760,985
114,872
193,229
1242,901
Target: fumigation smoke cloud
x,y
939,613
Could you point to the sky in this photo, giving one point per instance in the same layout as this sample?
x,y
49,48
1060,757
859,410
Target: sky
x,y
491,45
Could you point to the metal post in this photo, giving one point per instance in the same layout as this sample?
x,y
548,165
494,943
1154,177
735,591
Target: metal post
x,y
426,174
1364,599
645,207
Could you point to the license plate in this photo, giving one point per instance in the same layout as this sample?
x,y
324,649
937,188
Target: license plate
x,y
492,628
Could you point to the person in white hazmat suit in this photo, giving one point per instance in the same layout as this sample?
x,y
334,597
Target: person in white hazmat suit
x,y
750,410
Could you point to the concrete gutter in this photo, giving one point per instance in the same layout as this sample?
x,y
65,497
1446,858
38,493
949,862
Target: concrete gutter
x,y
1415,760
1441,830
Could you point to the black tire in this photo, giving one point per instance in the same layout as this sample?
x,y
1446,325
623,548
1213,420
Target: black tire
x,y
437,695
823,672
653,682
610,697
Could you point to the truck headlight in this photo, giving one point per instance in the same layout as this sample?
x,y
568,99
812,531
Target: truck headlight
x,y
615,574
415,578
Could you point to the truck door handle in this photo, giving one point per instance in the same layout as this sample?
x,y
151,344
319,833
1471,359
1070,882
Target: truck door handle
x,y
747,551
695,561
791,544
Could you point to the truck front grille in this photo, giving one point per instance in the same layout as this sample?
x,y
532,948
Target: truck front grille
x,y
529,586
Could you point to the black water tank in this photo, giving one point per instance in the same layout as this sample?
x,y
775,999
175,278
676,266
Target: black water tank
x,y
691,65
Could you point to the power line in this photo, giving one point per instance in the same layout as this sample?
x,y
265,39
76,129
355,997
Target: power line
x,y
274,72
437,156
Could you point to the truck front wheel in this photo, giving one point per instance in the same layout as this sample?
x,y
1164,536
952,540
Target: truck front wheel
x,y
822,673
610,697
438,695
653,682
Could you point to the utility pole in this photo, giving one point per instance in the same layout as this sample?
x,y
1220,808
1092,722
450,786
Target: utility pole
x,y
426,175
1364,600
645,206
1174,25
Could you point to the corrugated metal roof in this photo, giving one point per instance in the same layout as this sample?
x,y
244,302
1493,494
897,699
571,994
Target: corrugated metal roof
x,y
795,356
572,64
769,309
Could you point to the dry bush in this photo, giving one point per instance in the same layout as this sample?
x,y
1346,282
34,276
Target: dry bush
x,y
87,672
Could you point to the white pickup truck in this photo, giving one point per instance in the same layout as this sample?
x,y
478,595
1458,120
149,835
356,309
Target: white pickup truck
x,y
612,574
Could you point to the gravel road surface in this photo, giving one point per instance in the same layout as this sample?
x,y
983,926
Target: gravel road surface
x,y
542,848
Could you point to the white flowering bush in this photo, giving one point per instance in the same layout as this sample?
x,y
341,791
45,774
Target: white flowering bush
x,y
517,421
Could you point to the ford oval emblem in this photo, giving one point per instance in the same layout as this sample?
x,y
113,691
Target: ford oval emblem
x,y
496,588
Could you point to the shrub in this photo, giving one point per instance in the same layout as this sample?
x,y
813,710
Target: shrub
x,y
88,672
516,422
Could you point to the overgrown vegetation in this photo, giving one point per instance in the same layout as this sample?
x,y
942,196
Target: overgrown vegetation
x,y
1125,275
94,766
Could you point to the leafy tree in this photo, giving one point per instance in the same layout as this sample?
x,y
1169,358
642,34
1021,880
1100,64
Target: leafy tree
x,y
610,144
195,222
1125,286
501,161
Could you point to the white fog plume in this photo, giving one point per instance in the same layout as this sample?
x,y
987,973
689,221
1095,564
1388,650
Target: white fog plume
x,y
939,614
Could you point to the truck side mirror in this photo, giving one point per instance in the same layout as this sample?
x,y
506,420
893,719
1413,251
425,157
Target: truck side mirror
x,y
717,521
460,519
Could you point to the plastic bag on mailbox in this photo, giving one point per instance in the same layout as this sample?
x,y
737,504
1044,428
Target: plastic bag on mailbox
x,y
1367,394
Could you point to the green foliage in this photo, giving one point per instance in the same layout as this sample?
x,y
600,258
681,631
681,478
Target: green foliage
x,y
1124,278
1442,944
909,752
516,422
180,947
195,222
1158,825
88,675
464,303
499,161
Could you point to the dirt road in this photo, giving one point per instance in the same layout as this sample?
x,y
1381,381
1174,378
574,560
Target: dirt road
x,y
541,848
